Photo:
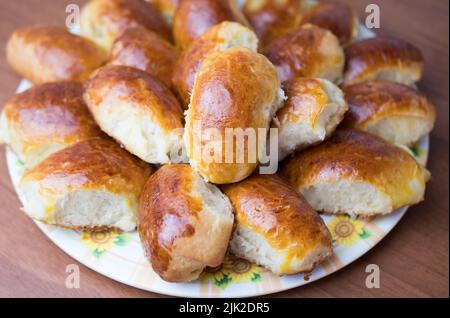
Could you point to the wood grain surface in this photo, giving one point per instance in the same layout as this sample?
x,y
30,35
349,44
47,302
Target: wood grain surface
x,y
414,258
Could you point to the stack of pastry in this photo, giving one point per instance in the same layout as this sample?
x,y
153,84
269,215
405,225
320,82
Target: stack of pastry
x,y
109,138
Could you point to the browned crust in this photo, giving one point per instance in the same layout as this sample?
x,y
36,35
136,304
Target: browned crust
x,y
372,101
194,17
356,156
306,99
190,60
116,16
366,57
50,113
91,164
188,65
230,90
137,87
299,53
167,213
49,53
272,19
269,206
147,51
339,18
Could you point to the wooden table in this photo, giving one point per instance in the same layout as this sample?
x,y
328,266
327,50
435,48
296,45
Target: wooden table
x,y
414,258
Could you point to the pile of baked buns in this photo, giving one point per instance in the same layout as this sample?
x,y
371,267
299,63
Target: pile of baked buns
x,y
109,131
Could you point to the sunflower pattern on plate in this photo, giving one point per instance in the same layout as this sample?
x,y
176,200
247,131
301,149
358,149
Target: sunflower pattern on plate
x,y
100,242
232,270
346,231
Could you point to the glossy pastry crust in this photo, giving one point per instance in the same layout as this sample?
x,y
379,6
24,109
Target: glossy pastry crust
x,y
93,185
312,111
139,89
44,54
92,164
147,51
139,111
237,88
383,58
373,101
47,118
218,38
339,18
272,18
103,21
194,17
156,205
307,51
179,233
360,157
306,99
268,206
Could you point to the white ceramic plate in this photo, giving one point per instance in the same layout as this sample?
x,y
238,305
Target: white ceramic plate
x,y
120,256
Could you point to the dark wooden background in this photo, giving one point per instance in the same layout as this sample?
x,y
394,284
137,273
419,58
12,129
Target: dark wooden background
x,y
413,259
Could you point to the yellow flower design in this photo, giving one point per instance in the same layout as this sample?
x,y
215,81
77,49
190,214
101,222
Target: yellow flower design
x,y
232,270
346,231
99,242
212,273
216,275
241,270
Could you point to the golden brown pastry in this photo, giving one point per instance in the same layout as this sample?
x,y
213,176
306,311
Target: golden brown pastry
x,y
218,38
272,18
138,111
357,173
313,109
49,53
337,17
307,51
46,118
237,89
383,59
393,111
184,223
147,51
276,227
103,21
93,185
194,17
